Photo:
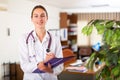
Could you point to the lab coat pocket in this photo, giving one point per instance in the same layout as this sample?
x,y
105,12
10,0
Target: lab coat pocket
x,y
31,76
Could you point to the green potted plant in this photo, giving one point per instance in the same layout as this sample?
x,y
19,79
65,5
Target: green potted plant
x,y
110,50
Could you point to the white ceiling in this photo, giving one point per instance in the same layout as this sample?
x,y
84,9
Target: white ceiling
x,y
78,6
73,4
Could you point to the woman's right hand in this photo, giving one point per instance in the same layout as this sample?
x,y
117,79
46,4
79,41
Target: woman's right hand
x,y
49,56
45,68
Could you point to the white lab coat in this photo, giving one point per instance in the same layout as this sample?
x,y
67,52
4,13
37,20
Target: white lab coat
x,y
32,53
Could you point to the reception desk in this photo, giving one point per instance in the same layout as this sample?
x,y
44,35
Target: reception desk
x,y
88,75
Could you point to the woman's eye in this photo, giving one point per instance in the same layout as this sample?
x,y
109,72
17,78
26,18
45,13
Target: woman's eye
x,y
36,16
39,16
42,16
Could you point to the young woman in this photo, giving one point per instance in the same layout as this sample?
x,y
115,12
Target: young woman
x,y
39,46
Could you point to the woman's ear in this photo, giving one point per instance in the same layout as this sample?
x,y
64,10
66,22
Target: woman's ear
x,y
31,19
47,18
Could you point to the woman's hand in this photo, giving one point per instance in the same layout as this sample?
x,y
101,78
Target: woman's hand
x,y
45,68
49,56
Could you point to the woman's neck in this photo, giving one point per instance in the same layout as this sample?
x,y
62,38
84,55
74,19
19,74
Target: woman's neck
x,y
40,34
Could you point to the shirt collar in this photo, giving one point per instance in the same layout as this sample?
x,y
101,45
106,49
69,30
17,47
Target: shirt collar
x,y
46,37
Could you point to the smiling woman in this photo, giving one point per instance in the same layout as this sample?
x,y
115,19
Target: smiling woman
x,y
18,19
38,47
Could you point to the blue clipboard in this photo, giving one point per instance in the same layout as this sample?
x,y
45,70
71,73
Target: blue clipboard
x,y
54,62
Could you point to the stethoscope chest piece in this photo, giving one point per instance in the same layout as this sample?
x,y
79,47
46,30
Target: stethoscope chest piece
x,y
47,50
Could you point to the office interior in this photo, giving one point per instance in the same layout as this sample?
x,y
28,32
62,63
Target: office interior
x,y
15,20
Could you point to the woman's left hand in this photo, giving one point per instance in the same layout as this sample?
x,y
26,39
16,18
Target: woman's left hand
x,y
45,68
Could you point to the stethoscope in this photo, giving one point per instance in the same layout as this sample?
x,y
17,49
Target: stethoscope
x,y
33,39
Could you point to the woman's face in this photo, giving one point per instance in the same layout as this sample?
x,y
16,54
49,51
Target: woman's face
x,y
39,18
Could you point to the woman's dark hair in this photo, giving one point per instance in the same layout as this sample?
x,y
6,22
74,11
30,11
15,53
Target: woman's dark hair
x,y
39,6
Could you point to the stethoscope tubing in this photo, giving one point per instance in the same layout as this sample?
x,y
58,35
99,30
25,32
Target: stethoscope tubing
x,y
27,42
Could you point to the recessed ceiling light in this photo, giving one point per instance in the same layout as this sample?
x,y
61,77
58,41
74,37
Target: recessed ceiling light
x,y
100,5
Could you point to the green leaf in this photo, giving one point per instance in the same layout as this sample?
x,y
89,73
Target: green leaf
x,y
115,71
84,30
87,30
100,28
90,62
105,72
109,24
119,60
118,23
114,37
107,36
90,30
98,21
108,78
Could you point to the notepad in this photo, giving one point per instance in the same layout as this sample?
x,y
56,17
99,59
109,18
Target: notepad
x,y
77,63
54,62
76,69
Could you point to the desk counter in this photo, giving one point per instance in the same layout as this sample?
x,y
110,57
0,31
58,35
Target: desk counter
x,y
88,75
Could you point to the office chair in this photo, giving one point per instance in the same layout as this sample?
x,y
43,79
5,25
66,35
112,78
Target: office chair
x,y
84,53
68,52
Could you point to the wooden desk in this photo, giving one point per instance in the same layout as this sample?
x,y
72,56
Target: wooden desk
x,y
89,75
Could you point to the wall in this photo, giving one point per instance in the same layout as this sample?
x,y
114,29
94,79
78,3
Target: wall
x,y
17,19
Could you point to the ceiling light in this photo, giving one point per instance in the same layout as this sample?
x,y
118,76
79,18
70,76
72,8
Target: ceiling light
x,y
100,5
